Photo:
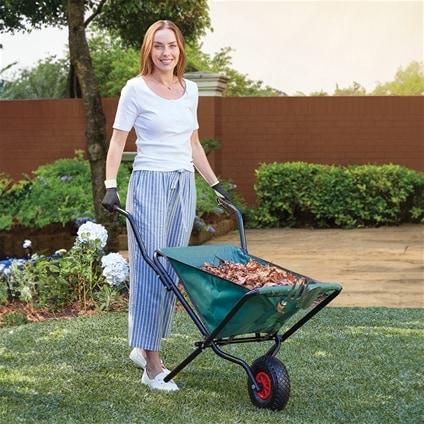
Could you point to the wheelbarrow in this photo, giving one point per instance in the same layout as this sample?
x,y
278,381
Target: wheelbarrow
x,y
227,313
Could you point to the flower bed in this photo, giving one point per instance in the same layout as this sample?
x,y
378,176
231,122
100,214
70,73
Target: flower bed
x,y
82,278
78,279
47,239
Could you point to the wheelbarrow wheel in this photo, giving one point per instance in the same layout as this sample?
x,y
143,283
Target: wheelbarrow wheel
x,y
272,376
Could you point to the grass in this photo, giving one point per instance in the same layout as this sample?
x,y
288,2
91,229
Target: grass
x,y
347,365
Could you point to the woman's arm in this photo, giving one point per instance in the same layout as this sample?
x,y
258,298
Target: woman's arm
x,y
200,160
113,160
114,154
201,163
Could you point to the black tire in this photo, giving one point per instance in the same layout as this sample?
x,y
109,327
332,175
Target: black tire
x,y
272,376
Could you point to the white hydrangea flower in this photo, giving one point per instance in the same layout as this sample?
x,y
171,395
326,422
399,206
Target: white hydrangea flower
x,y
91,231
26,294
27,244
115,269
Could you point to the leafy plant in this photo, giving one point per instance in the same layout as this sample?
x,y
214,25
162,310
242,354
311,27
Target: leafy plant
x,y
301,194
11,196
210,144
15,318
59,193
80,276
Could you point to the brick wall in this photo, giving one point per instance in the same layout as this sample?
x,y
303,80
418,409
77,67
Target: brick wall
x,y
328,130
332,130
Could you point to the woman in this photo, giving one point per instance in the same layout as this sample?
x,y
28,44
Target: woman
x,y
162,107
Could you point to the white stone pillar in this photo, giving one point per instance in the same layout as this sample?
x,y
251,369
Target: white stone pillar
x,y
209,83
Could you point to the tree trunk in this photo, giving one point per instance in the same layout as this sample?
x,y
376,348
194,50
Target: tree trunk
x,y
73,90
96,138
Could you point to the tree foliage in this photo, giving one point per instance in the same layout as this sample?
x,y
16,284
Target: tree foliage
x,y
407,82
238,84
113,64
128,18
45,80
355,89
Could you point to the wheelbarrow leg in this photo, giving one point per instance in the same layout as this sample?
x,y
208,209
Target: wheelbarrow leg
x,y
183,364
238,361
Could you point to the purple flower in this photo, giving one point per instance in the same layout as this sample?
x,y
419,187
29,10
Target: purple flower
x,y
211,229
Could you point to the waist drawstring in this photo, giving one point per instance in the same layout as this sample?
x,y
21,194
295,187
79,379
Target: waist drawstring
x,y
176,184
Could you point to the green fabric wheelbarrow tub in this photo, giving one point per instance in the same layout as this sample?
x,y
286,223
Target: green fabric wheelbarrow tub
x,y
213,297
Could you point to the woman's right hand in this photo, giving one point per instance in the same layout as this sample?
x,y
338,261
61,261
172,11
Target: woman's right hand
x,y
111,199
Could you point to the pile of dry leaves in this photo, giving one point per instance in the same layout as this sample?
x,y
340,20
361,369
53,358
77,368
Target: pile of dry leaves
x,y
252,274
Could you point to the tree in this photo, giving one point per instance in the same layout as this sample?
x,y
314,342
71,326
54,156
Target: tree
x,y
320,93
114,64
128,18
355,89
407,82
238,84
45,80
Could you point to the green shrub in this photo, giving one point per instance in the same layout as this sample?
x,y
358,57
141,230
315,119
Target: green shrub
x,y
59,193
301,194
11,196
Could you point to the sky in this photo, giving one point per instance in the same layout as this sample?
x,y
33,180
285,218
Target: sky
x,y
294,46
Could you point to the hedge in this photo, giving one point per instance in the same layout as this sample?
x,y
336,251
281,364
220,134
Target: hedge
x,y
298,194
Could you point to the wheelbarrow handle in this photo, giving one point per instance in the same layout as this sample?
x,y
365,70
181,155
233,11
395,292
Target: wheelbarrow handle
x,y
141,244
240,223
137,236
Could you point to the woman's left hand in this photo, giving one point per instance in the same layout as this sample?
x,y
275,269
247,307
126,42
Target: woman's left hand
x,y
221,192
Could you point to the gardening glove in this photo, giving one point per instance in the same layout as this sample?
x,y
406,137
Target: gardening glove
x,y
221,192
111,197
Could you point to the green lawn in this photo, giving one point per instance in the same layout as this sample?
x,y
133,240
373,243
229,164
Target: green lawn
x,y
347,365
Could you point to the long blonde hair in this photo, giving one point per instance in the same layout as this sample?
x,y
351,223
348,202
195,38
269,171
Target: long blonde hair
x,y
147,65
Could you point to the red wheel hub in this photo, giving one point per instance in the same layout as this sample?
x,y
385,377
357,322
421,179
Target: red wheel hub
x,y
263,379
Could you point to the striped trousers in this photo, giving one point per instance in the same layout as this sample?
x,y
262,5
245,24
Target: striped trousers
x,y
163,205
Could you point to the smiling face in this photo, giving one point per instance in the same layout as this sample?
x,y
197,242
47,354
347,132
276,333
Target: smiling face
x,y
165,52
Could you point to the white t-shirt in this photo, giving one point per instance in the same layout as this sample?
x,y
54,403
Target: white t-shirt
x,y
163,127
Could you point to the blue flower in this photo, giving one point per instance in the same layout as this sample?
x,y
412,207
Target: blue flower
x,y
66,178
211,229
82,220
198,223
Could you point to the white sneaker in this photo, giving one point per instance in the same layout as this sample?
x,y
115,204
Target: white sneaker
x,y
137,357
158,383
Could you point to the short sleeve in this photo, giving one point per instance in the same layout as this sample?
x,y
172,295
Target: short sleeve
x,y
127,110
195,105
